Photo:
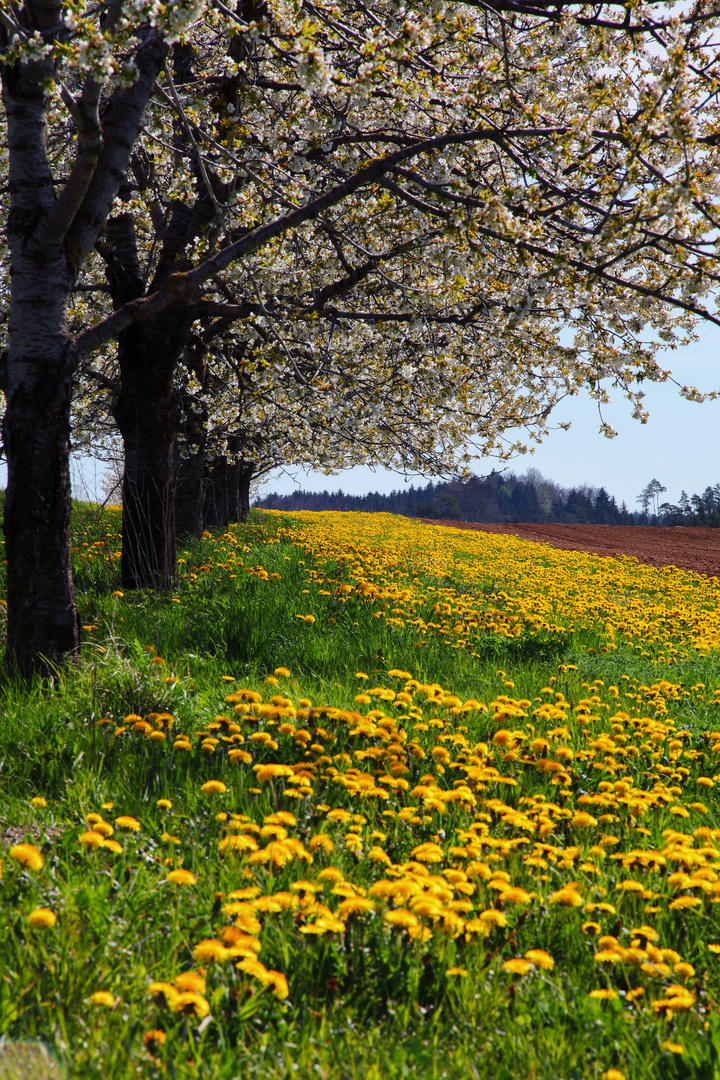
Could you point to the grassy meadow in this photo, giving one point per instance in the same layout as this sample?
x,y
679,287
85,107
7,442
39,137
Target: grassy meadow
x,y
366,798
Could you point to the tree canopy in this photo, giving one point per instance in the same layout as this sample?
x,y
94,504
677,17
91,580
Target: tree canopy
x,y
339,231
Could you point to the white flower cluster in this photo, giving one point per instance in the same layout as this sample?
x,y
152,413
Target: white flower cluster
x,y
179,15
313,72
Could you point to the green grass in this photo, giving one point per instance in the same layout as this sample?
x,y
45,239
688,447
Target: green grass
x,y
364,1003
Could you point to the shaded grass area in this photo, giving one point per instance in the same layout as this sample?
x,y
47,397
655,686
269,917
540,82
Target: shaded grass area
x,y
363,1002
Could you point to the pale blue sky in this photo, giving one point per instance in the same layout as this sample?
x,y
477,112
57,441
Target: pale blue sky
x,y
679,445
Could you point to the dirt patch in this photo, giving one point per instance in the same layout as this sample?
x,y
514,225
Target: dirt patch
x,y
689,548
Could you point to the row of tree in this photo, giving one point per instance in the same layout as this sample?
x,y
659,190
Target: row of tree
x,y
505,497
321,233
703,509
500,497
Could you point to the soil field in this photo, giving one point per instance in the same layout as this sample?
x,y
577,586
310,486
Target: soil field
x,y
689,548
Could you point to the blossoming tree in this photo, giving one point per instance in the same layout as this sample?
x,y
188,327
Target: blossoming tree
x,y
390,212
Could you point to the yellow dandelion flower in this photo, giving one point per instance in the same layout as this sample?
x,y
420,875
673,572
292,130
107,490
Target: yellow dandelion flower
x,y
252,967
608,956
154,1039
516,895
582,820
213,787
190,1004
675,1003
26,855
568,896
181,877
102,997
603,995
271,772
236,843
517,966
164,993
38,802
92,839
673,1047
492,917
540,958
402,918
164,804
239,757
282,673
279,983
355,905
190,982
42,918
210,951
131,824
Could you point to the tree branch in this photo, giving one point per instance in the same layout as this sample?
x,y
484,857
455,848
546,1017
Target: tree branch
x,y
52,229
122,121
181,286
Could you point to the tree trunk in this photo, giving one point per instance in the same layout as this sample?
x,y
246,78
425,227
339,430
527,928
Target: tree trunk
x,y
42,620
146,414
217,495
232,484
246,473
49,239
190,494
36,378
147,411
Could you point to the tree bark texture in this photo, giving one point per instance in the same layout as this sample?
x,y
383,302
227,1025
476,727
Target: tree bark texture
x,y
42,620
227,492
37,381
190,494
246,473
147,417
147,411
49,236
220,500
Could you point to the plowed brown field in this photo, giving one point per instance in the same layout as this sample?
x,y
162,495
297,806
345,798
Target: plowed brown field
x,y
689,548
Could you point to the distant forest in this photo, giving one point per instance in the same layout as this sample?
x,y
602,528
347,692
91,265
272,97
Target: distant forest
x,y
505,497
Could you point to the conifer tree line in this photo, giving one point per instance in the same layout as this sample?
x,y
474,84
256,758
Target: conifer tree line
x,y
500,497
504,497
252,232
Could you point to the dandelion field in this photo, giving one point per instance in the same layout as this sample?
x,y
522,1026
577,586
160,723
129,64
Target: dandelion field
x,y
363,797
